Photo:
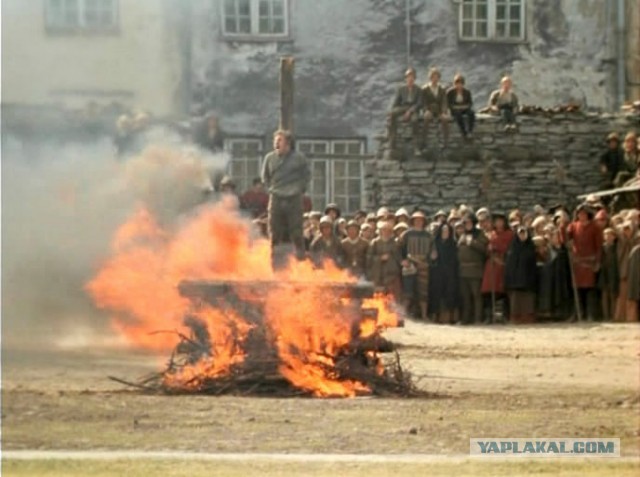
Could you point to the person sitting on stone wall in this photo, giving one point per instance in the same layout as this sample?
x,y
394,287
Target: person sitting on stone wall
x,y
630,160
611,161
505,102
210,134
460,104
434,100
406,106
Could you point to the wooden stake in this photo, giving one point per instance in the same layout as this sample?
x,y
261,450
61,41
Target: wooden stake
x,y
286,92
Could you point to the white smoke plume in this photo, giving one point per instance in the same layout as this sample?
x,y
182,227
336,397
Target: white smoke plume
x,y
60,207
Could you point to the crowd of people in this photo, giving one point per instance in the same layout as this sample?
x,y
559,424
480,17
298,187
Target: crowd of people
x,y
417,107
470,267
462,265
459,265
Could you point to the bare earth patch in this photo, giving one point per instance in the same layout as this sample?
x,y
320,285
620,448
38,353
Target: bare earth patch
x,y
498,381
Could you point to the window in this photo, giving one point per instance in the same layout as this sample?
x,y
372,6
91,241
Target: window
x,y
255,18
335,177
246,161
81,14
495,20
331,146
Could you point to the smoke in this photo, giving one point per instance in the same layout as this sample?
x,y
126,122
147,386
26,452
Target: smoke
x,y
61,204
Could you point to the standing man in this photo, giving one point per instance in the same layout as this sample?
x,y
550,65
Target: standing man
x,y
472,253
285,173
418,250
586,252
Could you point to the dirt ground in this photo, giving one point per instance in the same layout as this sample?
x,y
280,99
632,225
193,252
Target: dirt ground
x,y
554,380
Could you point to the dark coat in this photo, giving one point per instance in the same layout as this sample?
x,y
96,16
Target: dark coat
x,y
445,276
555,295
322,250
520,271
466,103
473,255
407,99
613,160
609,276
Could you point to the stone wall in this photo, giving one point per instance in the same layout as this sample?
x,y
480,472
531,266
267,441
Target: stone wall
x,y
351,54
551,159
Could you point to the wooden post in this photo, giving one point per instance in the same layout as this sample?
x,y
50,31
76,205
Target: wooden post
x,y
286,92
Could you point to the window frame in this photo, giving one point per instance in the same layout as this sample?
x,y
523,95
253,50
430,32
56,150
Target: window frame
x,y
255,34
330,159
492,21
81,25
228,147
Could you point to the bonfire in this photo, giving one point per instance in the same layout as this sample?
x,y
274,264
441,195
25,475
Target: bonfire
x,y
205,294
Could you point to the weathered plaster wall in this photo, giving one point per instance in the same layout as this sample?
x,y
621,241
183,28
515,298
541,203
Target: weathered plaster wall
x,y
349,56
138,65
552,159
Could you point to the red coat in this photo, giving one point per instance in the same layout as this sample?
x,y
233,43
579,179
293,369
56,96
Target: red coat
x,y
255,201
499,242
586,252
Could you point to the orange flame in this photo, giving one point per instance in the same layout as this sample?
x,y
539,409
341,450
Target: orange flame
x,y
310,328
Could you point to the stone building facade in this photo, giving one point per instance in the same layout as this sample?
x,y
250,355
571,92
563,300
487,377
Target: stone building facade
x,y
350,55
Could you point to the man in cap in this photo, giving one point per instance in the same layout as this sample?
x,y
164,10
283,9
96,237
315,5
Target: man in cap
x,y
326,246
611,161
484,219
402,216
367,231
436,106
399,229
372,219
360,217
312,229
384,261
354,250
586,251
472,253
440,217
333,211
417,250
406,106
285,173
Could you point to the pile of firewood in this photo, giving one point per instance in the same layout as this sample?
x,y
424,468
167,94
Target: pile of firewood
x,y
260,371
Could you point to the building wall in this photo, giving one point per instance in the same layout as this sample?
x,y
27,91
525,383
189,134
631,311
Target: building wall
x,y
552,159
138,65
349,55
632,47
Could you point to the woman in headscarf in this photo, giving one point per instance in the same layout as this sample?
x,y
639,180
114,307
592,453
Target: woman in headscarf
x,y
521,276
445,278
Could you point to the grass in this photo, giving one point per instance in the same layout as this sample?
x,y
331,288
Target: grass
x,y
76,420
175,468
